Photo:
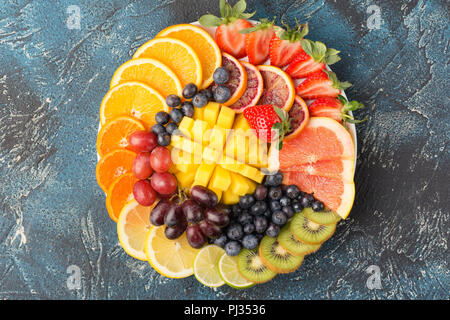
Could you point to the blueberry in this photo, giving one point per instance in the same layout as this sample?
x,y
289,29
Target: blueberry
x,y
279,218
292,191
190,90
233,248
246,201
249,228
158,129
274,205
221,241
188,109
260,224
307,200
273,230
259,236
245,218
273,180
235,232
235,211
260,192
172,100
275,193
285,201
171,128
163,139
296,206
162,117
258,208
221,75
250,242
200,100
288,211
267,214
221,94
208,93
226,210
176,115
317,206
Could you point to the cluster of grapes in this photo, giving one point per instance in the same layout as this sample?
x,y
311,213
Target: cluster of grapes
x,y
198,215
151,166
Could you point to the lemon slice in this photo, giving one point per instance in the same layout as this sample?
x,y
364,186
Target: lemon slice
x,y
171,258
132,228
228,269
206,266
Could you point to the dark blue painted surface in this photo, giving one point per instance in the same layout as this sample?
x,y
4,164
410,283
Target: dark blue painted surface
x,y
52,213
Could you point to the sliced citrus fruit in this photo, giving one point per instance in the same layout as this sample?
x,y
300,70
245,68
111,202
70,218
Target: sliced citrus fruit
x,y
151,72
135,99
114,134
203,44
119,193
132,228
279,89
206,266
171,258
299,114
238,78
253,91
228,269
175,54
337,169
113,165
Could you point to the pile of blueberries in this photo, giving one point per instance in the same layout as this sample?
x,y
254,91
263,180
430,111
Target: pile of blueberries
x,y
167,122
263,213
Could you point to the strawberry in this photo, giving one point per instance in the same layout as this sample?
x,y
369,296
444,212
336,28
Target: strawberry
x,y
321,84
285,45
233,20
257,41
270,122
313,58
336,109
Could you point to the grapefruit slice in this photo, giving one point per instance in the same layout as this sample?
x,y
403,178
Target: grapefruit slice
x,y
337,169
253,91
299,114
279,89
238,78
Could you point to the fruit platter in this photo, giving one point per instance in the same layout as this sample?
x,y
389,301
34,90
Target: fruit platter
x,y
227,149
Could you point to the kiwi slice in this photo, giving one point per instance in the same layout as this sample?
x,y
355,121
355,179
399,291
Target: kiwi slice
x,y
325,216
251,267
276,258
297,248
309,232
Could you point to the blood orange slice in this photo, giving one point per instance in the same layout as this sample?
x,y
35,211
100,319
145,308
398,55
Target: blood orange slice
x,y
299,114
279,89
254,89
238,78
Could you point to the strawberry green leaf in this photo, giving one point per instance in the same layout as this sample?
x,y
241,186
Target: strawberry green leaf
x,y
240,7
222,7
209,20
307,46
332,59
345,85
280,113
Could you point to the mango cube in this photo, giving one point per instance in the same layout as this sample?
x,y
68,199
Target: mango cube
x,y
185,180
231,164
237,146
187,167
210,113
217,138
252,173
186,145
252,186
199,130
221,179
204,173
198,113
185,127
226,117
211,155
229,197
239,184
216,191
257,153
241,123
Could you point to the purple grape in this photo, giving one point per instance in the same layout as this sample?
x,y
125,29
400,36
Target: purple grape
x,y
209,229
192,211
158,213
204,196
217,217
195,236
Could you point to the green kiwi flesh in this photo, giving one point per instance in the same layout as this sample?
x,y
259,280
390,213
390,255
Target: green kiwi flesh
x,y
325,216
297,248
310,232
251,267
276,258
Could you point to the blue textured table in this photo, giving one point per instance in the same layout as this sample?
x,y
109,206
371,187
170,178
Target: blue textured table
x,y
53,220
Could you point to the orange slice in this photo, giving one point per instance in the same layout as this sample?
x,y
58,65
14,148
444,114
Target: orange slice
x,y
114,134
134,99
151,72
175,54
279,89
119,193
253,91
112,166
203,44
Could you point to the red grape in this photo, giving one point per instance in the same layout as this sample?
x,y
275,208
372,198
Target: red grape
x,y
175,232
195,236
158,213
204,196
141,166
210,230
160,159
144,193
164,183
142,141
192,211
217,217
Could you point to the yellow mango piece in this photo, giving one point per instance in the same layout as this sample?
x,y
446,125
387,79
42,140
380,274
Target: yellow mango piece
x,y
210,113
231,164
221,179
226,117
198,113
187,145
218,138
252,186
180,156
172,169
257,154
199,131
236,146
240,123
216,191
187,167
211,155
229,197
185,127
252,173
239,184
204,173
185,180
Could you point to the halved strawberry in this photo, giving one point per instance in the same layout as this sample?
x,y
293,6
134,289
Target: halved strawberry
x,y
233,20
257,40
314,58
285,45
321,84
336,109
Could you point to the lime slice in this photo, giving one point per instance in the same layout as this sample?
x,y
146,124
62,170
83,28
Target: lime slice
x,y
228,270
206,266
